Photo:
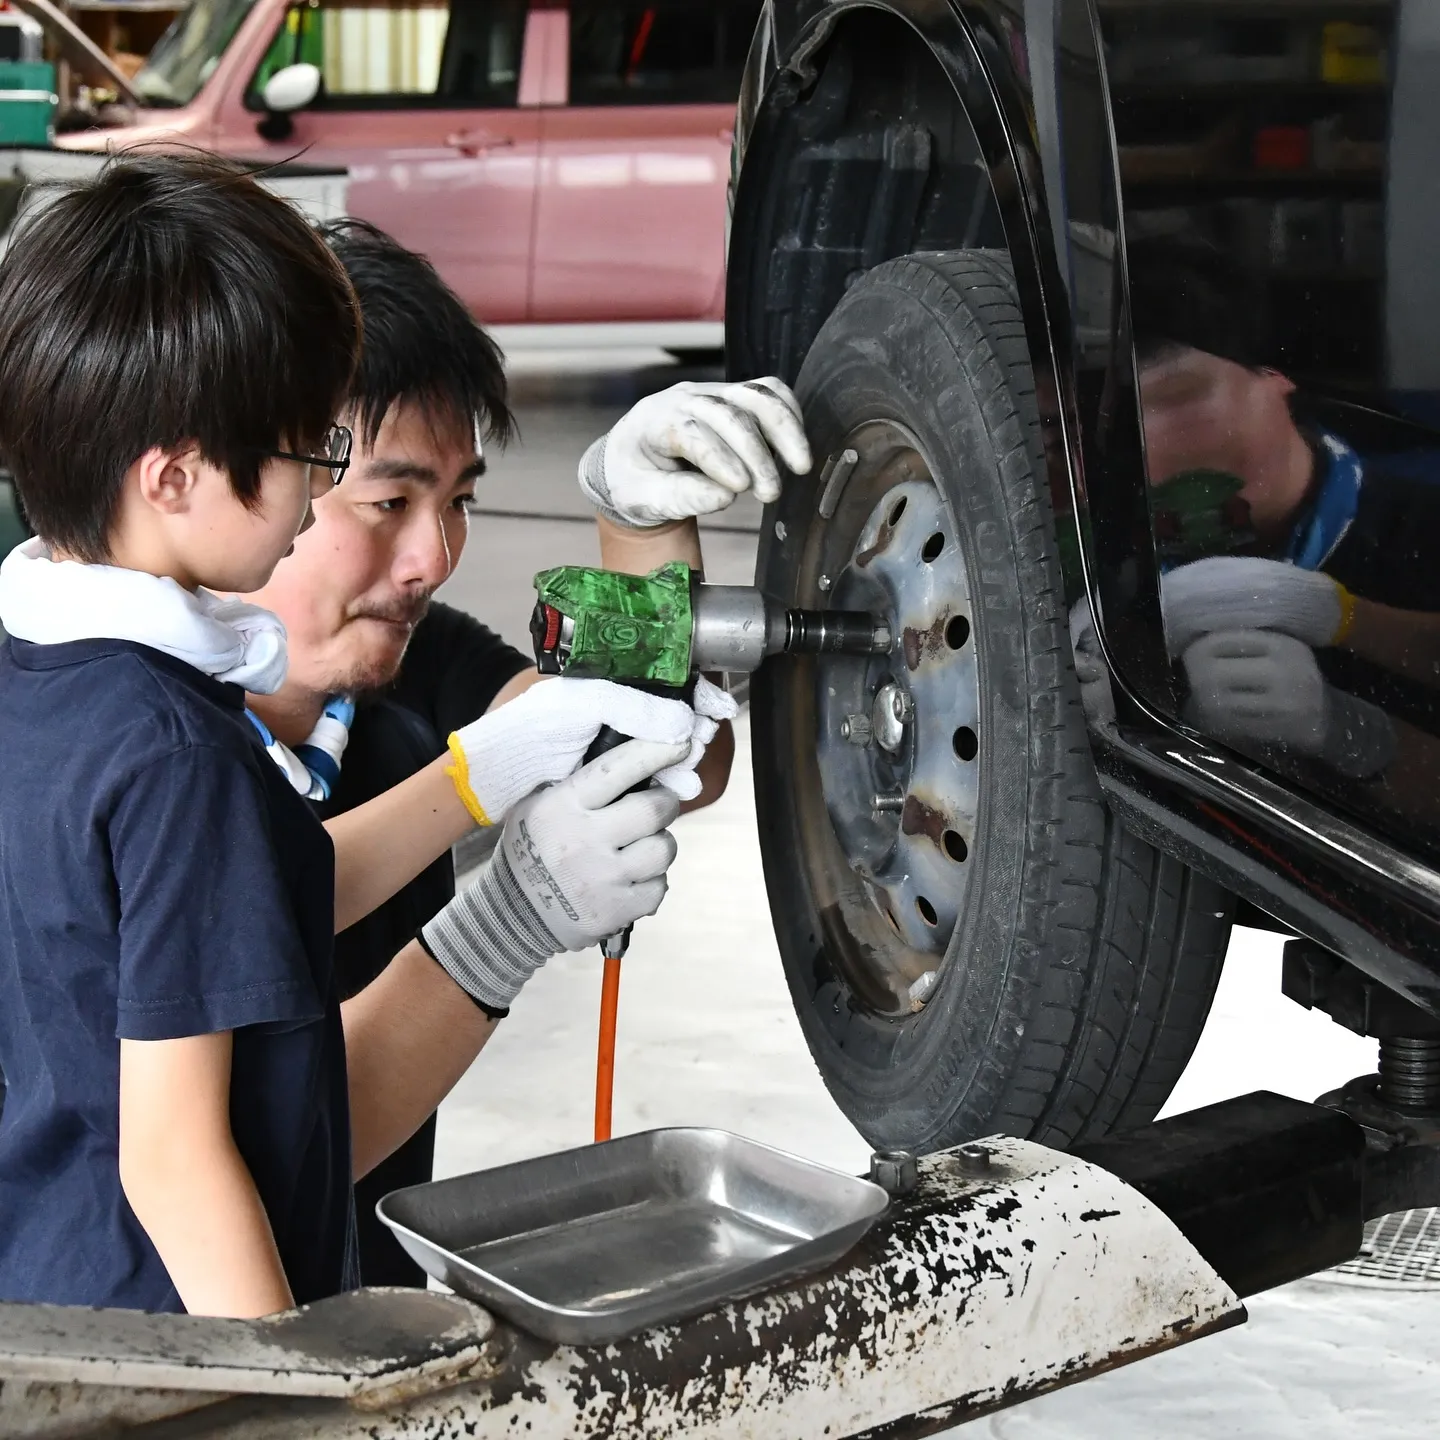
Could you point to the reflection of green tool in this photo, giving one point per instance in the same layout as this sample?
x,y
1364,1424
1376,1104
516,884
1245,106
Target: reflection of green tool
x,y
1199,513
661,628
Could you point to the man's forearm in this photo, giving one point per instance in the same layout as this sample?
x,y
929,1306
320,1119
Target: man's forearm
x,y
384,844
637,552
1405,642
409,1037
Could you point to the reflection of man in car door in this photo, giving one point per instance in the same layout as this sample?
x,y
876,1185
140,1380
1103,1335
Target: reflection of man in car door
x,y
1298,592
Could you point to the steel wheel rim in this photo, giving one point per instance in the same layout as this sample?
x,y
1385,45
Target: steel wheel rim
x,y
890,544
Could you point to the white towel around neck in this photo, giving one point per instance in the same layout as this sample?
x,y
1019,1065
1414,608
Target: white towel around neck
x,y
51,602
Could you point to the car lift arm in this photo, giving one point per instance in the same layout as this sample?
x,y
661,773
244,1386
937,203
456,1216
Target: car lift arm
x,y
1008,1270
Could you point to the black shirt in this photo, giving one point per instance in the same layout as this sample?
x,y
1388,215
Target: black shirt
x,y
451,673
1388,553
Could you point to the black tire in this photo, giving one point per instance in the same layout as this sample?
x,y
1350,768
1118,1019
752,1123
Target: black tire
x,y
1082,963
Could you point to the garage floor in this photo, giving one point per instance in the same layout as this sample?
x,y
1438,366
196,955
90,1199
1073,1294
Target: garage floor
x,y
707,1035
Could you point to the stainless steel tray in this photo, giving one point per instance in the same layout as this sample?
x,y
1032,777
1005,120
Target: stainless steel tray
x,y
592,1244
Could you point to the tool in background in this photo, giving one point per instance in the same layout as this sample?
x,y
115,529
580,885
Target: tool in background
x,y
659,631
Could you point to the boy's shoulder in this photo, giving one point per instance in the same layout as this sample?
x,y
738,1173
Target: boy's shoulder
x,y
125,699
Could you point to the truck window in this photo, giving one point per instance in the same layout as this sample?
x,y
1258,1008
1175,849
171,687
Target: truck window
x,y
377,54
183,57
676,52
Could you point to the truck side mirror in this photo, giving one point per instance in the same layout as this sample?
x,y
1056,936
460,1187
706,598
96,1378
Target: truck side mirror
x,y
285,92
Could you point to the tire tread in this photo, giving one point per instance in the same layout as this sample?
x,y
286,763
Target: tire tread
x,y
1116,949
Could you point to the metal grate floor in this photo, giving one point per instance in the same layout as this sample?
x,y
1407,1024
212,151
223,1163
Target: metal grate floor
x,y
1400,1252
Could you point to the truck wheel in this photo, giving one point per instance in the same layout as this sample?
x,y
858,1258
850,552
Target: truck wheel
x,y
972,942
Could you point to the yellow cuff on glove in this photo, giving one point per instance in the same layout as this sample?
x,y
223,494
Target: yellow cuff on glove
x,y
459,772
1347,614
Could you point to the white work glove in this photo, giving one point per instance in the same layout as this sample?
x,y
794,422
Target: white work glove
x,y
711,705
691,449
1265,688
1236,592
1090,668
576,862
542,735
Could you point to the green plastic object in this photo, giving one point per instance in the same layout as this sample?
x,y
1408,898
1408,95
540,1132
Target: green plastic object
x,y
300,40
1199,513
627,627
27,102
27,75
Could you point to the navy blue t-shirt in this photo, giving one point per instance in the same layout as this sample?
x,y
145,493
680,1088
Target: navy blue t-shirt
x,y
159,878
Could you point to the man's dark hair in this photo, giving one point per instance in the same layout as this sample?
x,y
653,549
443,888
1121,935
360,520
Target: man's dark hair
x,y
169,300
1186,291
421,344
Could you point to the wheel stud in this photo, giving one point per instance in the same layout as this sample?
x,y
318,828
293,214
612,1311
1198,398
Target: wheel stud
x,y
887,804
919,991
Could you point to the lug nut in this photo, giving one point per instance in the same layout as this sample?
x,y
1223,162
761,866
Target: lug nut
x,y
891,712
856,729
895,1171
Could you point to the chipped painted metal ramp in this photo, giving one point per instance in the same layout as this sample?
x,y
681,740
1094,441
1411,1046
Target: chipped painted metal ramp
x,y
1010,1270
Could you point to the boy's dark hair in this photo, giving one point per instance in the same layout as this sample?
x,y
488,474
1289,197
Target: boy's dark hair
x,y
1186,291
170,299
421,343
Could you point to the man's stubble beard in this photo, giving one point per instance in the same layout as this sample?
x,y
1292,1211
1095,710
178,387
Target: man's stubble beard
x,y
368,676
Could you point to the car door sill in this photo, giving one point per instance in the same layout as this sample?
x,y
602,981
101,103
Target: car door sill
x,y
1227,781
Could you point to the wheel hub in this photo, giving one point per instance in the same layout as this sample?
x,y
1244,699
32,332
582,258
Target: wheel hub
x,y
897,735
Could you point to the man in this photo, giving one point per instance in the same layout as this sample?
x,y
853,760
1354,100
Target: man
x,y
356,594
1298,594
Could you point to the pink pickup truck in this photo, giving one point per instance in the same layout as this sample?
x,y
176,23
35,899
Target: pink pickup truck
x,y
560,163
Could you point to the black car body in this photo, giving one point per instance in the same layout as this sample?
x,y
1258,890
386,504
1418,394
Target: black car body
x,y
1259,171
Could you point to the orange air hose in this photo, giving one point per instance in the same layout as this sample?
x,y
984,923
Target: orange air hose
x,y
605,1056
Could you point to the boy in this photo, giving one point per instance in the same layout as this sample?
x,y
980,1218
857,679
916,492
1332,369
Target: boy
x,y
174,343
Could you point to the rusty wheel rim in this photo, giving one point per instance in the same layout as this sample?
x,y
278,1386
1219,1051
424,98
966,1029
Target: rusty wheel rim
x,y
896,737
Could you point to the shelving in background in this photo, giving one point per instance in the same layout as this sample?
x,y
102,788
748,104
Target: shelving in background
x,y
1262,127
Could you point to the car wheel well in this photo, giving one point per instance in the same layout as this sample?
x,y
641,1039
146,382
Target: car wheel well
x,y
869,158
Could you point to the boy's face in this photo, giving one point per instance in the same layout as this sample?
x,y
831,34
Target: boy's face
x,y
210,536
242,546
382,543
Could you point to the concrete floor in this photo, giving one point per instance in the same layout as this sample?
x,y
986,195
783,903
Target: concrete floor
x,y
707,1034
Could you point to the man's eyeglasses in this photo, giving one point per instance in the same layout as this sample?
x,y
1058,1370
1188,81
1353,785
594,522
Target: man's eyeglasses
x,y
336,458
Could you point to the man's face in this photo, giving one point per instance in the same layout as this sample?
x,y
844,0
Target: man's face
x,y
1205,413
383,541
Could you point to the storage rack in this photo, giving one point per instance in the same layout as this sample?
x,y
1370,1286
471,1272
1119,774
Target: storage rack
x,y
1261,125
